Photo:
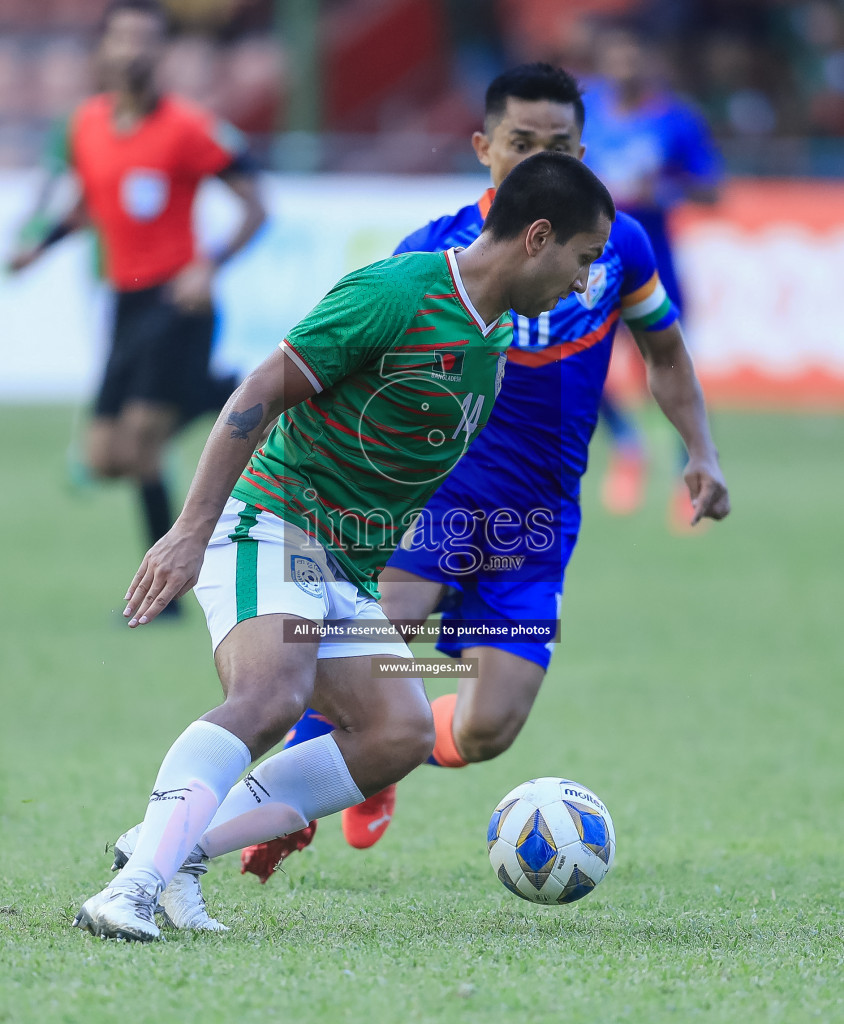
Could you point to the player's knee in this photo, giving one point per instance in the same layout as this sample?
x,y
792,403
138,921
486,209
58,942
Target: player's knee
x,y
106,471
143,465
407,738
103,465
141,449
482,739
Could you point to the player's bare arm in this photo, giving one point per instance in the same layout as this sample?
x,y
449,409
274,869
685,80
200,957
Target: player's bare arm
x,y
675,387
191,287
74,219
171,567
245,187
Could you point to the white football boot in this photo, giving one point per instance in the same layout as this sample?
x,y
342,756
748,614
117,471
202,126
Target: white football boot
x,y
120,914
181,903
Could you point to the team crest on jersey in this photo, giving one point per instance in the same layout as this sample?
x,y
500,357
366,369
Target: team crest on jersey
x,y
448,365
307,575
499,372
595,286
144,193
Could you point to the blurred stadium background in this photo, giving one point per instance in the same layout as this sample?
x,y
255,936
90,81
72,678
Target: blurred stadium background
x,y
361,112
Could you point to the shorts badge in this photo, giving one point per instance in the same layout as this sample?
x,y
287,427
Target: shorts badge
x,y
307,575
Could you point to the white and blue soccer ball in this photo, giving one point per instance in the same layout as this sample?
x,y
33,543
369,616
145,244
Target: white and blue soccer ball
x,y
551,841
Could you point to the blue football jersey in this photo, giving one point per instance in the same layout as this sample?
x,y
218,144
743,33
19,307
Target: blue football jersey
x,y
537,438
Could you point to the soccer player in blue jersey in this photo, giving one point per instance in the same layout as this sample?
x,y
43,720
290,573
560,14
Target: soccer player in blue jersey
x,y
497,536
652,150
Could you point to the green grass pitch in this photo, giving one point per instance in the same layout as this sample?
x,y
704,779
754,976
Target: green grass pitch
x,y
699,691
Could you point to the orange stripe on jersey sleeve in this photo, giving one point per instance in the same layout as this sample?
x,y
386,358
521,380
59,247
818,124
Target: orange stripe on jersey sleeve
x,y
648,288
555,353
485,202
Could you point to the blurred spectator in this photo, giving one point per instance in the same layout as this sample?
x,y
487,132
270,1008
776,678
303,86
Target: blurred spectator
x,y
817,47
13,94
191,68
392,71
254,73
222,54
63,75
553,31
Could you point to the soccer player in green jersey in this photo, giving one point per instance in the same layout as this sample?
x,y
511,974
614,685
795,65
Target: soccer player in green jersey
x,y
380,390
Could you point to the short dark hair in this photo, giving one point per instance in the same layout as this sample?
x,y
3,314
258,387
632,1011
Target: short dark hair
x,y
553,186
152,7
535,81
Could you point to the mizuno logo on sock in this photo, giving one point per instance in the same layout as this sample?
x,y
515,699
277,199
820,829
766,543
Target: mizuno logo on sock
x,y
168,794
251,782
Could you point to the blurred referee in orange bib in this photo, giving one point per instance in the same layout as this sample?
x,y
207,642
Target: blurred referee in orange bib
x,y
140,157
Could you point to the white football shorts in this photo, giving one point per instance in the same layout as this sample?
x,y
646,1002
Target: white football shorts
x,y
258,564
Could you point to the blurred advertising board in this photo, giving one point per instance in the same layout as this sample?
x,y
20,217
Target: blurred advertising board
x,y
763,272
764,280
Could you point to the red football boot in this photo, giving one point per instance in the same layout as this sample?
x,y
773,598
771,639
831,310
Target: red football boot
x,y
365,823
264,858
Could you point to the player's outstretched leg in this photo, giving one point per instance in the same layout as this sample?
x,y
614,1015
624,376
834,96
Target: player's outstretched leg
x,y
364,824
512,684
408,600
445,753
387,731
262,859
485,716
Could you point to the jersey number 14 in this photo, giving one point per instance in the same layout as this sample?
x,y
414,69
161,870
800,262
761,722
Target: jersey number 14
x,y
469,419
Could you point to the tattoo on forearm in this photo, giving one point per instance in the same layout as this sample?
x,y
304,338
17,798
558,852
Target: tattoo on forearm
x,y
245,422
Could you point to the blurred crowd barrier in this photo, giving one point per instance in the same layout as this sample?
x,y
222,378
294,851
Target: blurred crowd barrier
x,y
762,273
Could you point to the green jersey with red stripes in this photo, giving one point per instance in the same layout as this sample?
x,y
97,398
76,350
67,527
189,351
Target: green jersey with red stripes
x,y
406,373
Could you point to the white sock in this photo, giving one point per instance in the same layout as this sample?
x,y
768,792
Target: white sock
x,y
197,772
281,796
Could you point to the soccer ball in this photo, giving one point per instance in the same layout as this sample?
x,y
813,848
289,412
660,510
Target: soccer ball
x,y
551,841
